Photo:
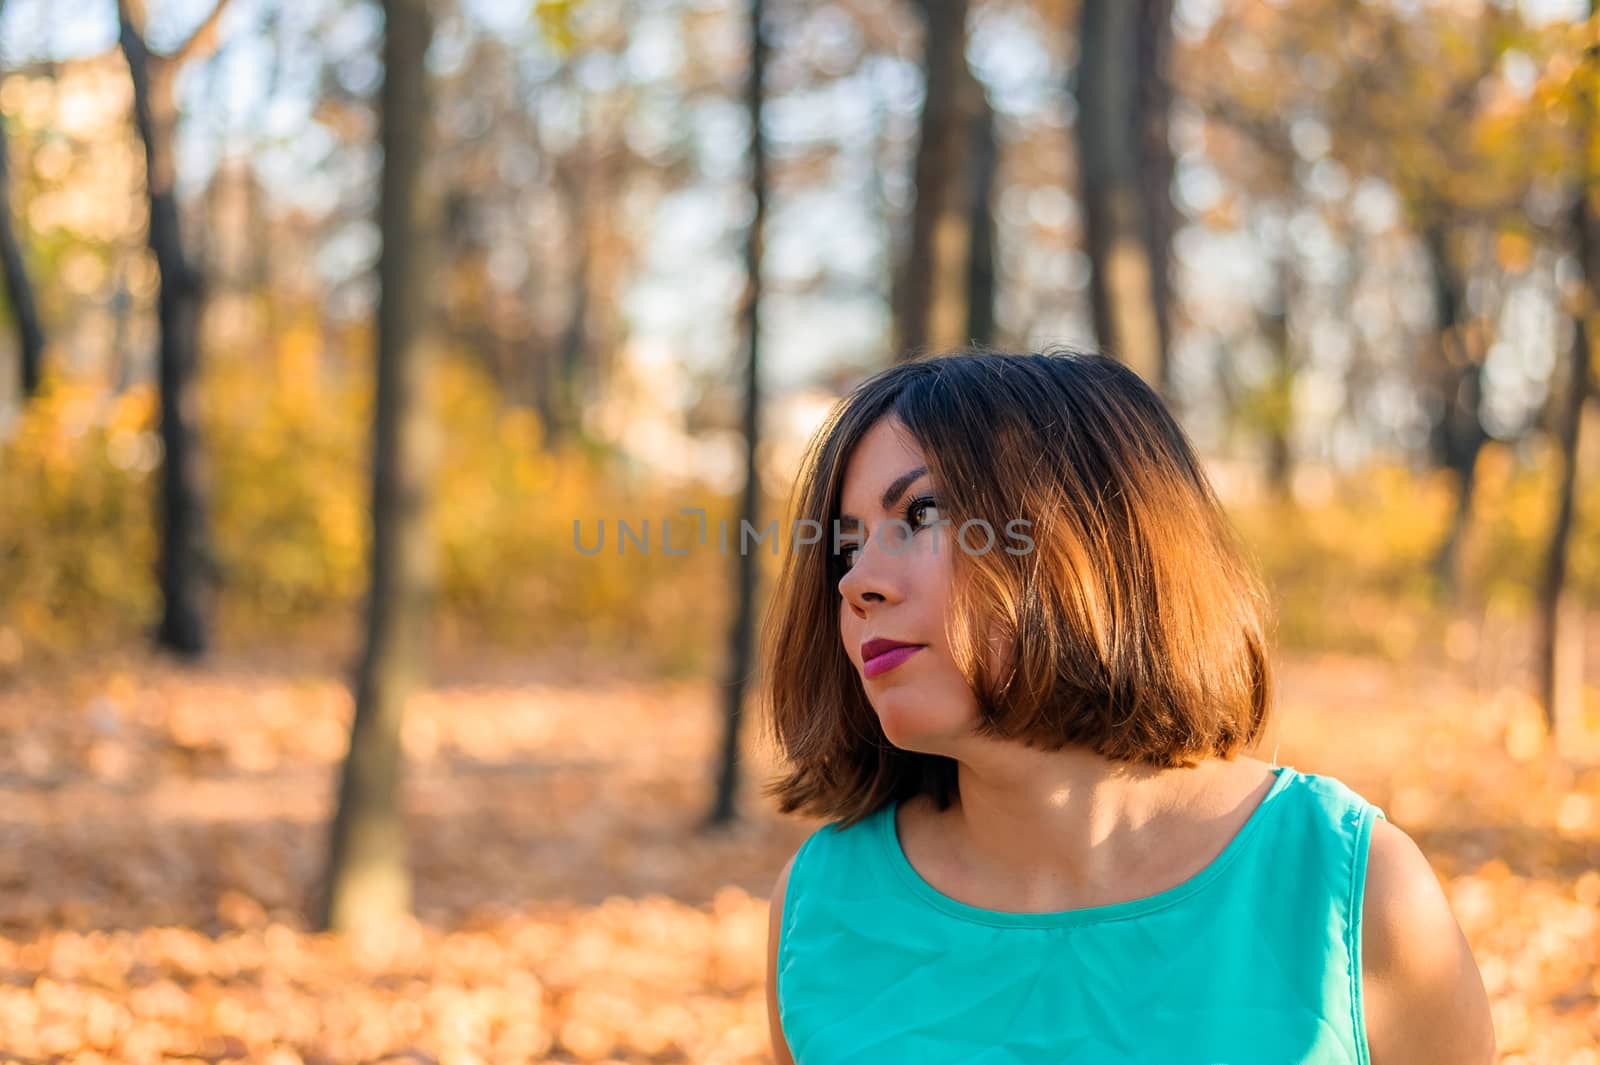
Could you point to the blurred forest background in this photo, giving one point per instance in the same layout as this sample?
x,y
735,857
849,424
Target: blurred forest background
x,y
327,736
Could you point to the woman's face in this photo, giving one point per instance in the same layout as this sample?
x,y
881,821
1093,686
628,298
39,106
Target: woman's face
x,y
898,549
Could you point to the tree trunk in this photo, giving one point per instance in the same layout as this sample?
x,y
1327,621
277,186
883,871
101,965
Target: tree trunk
x,y
1558,611
983,164
944,274
944,70
19,292
260,270
1279,407
465,319
1156,170
369,881
1125,168
574,182
961,261
121,370
742,635
184,567
1457,434
1361,373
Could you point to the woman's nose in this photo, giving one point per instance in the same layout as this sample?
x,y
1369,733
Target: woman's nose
x,y
875,575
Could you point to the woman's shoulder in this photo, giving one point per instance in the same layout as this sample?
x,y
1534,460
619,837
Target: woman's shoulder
x,y
829,842
1331,789
1424,997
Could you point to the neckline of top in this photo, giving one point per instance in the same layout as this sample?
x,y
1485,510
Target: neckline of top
x,y
1114,911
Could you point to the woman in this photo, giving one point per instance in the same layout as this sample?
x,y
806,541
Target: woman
x,y
1018,674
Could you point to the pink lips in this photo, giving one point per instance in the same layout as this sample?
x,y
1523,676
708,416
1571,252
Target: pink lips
x,y
886,661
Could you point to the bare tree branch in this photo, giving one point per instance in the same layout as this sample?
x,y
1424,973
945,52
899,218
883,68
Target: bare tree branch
x,y
204,38
131,14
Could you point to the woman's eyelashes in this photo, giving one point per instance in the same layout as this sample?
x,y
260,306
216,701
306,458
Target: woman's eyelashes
x,y
915,509
921,505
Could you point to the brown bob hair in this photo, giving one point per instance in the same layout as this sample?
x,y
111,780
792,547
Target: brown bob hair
x,y
1136,624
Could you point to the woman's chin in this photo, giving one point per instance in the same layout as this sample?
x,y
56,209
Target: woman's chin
x,y
910,725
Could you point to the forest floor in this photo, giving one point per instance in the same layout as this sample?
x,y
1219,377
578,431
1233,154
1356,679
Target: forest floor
x,y
162,829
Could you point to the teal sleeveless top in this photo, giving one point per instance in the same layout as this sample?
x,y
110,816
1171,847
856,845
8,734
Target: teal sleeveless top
x,y
1256,960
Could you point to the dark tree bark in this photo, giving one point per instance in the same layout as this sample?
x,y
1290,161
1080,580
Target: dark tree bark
x,y
1557,637
1457,434
566,399
468,315
260,276
575,182
742,634
1125,171
1279,408
944,69
369,880
184,568
1556,621
121,371
983,164
944,282
19,290
1157,169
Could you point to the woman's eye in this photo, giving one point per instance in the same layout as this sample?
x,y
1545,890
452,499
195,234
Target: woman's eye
x,y
915,512
921,506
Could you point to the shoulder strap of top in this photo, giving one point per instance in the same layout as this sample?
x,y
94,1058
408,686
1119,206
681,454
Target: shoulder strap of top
x,y
1340,823
800,875
833,873
1361,839
830,856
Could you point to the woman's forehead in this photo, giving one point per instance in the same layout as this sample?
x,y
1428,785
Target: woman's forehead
x,y
885,462
881,453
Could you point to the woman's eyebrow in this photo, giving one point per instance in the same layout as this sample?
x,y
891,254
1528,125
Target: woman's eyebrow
x,y
890,494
